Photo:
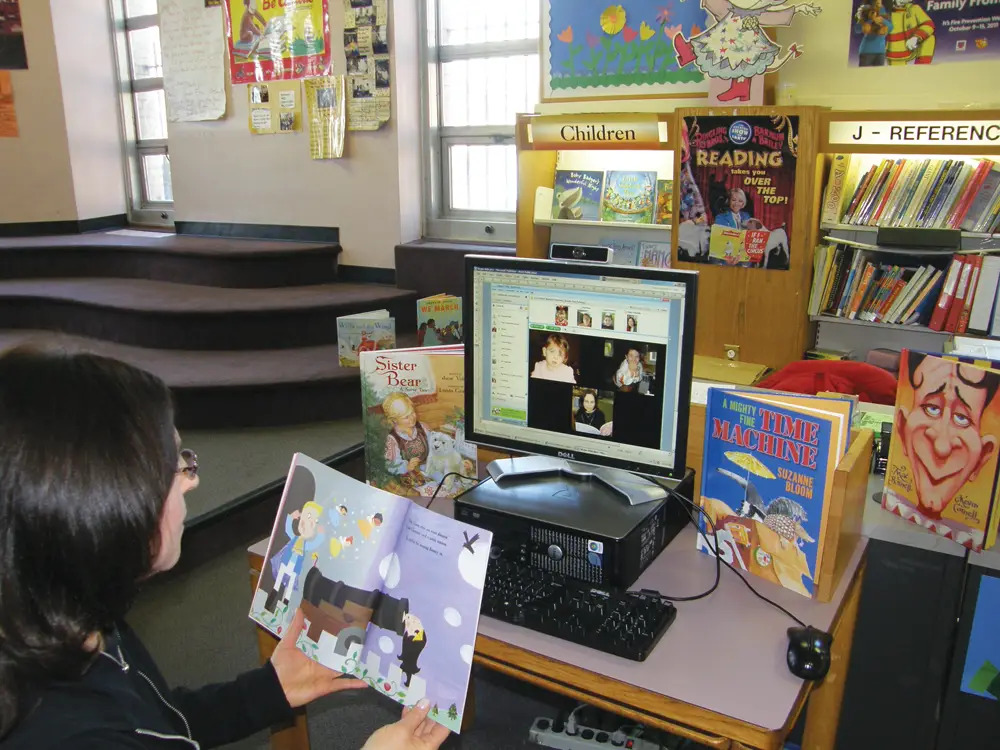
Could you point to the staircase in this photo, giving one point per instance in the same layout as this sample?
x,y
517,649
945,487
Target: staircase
x,y
243,331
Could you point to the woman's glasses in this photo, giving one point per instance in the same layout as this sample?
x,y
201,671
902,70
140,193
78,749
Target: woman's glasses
x,y
190,459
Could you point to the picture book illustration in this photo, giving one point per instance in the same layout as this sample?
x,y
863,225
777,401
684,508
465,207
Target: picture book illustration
x,y
765,479
413,408
735,49
363,332
577,195
628,197
981,673
439,320
943,454
390,591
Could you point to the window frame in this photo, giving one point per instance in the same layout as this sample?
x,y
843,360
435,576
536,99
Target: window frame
x,y
441,221
141,210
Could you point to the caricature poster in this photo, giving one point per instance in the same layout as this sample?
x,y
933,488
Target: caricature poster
x,y
736,190
924,32
390,591
272,39
943,455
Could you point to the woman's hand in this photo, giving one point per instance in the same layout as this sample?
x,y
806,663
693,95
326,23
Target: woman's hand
x,y
413,732
302,679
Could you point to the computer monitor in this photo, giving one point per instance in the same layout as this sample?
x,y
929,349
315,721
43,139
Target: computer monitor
x,y
585,362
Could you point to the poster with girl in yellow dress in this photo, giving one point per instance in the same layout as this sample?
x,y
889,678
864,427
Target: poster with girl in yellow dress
x,y
277,39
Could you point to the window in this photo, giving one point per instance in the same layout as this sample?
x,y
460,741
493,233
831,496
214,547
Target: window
x,y
144,110
481,63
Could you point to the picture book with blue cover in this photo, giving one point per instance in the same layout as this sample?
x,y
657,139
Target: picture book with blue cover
x,y
576,195
767,475
629,197
390,590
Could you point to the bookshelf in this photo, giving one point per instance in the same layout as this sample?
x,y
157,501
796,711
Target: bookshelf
x,y
742,306
913,182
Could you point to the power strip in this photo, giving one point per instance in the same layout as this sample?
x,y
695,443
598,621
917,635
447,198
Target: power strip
x,y
541,733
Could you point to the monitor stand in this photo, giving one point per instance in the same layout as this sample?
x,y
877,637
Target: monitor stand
x,y
634,488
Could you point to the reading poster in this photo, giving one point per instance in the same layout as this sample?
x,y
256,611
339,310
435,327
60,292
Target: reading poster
x,y
736,187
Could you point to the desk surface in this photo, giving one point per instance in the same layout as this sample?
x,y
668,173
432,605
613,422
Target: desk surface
x,y
724,653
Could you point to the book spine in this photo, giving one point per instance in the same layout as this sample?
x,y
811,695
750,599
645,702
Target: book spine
x,y
947,208
972,189
897,289
861,292
929,178
877,175
885,288
909,191
856,196
943,183
961,289
922,303
887,192
940,314
852,276
899,194
835,187
970,295
869,205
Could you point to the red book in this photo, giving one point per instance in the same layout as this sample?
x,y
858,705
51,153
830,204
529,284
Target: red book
x,y
970,296
940,314
961,291
970,192
887,193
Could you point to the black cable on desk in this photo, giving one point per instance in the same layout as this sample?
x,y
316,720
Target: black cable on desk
x,y
437,489
718,558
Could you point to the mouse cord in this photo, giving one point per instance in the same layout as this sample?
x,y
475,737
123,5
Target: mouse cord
x,y
718,558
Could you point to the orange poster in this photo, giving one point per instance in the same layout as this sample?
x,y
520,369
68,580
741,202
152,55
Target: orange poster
x,y
8,117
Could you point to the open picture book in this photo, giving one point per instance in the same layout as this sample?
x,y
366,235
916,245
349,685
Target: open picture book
x,y
390,590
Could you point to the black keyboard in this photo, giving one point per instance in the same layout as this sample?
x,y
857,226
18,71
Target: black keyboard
x,y
627,624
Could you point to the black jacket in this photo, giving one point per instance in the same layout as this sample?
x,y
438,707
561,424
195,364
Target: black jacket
x,y
111,708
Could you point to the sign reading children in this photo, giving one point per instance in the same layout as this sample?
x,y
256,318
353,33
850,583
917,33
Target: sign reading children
x,y
736,188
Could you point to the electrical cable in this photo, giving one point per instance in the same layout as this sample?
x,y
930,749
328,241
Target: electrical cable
x,y
718,557
458,474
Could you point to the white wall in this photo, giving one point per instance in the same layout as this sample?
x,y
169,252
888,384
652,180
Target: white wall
x,y
222,173
36,182
89,90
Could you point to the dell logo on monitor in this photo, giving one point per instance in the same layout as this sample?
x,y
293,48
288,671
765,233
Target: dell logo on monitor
x,y
565,454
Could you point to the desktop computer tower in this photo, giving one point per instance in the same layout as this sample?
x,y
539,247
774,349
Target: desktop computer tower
x,y
576,528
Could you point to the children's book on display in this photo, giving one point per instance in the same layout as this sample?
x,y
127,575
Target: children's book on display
x,y
439,320
390,590
629,197
767,479
367,331
413,409
942,467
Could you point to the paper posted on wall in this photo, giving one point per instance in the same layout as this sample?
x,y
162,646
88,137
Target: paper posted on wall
x,y
326,113
366,47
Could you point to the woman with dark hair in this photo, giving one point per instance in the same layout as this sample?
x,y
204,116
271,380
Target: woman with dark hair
x,y
588,413
92,484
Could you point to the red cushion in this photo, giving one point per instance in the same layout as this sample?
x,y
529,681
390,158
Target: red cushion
x,y
870,383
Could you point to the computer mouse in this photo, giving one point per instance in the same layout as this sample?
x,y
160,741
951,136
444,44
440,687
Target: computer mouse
x,y
809,652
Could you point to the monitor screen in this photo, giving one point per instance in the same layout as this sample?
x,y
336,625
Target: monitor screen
x,y
587,362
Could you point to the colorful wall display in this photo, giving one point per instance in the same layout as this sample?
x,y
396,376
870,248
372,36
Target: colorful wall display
x,y
274,107
593,48
736,190
366,48
926,32
326,116
272,40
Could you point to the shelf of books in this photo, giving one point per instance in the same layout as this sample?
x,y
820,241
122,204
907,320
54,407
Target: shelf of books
x,y
909,220
603,179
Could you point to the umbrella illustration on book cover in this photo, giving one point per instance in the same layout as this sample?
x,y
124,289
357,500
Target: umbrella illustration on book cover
x,y
781,515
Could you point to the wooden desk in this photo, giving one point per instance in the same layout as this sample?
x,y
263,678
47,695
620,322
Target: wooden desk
x,y
718,676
